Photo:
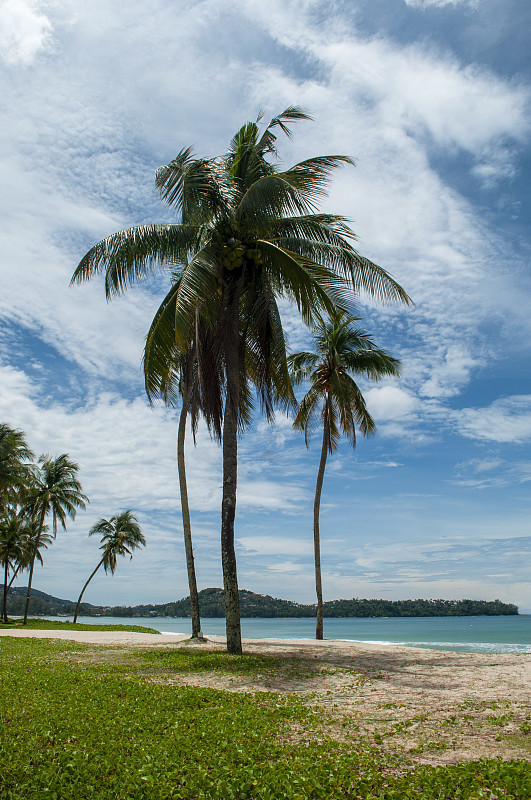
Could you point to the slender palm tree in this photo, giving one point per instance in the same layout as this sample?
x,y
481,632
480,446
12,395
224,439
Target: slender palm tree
x,y
173,375
248,234
55,489
120,535
334,400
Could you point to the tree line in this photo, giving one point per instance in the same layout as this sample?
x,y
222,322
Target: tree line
x,y
211,604
33,492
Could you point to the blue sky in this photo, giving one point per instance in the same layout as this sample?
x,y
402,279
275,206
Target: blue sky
x,y
431,97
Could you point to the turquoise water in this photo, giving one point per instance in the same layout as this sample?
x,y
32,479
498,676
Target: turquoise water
x,y
511,634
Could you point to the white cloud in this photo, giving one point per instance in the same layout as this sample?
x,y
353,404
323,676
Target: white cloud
x,y
116,96
505,420
480,465
451,373
285,567
24,31
390,403
275,545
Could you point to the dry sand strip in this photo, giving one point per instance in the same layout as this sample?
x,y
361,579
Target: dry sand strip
x,y
99,637
407,672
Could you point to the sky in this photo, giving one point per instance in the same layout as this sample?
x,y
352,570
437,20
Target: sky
x,y
432,99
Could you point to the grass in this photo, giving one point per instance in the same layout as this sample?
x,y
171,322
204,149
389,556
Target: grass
x,y
65,624
72,726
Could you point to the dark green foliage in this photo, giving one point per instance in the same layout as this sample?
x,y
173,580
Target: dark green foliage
x,y
78,730
418,608
253,605
45,604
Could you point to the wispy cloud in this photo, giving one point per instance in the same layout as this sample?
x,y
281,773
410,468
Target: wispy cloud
x,y
95,101
440,3
505,420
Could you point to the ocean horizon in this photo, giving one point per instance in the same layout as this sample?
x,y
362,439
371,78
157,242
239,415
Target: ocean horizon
x,y
485,634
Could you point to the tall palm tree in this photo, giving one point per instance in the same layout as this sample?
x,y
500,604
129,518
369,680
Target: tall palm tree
x,y
55,489
120,535
335,401
173,375
248,234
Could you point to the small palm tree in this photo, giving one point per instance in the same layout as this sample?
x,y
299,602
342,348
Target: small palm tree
x,y
17,542
14,467
55,489
119,536
335,401
13,545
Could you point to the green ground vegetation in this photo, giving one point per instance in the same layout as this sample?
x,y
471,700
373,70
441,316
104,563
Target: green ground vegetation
x,y
62,625
79,721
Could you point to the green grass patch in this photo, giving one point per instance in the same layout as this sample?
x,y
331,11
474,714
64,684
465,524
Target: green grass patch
x,y
193,659
66,625
71,730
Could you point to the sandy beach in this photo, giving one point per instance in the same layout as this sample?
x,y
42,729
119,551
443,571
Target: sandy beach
x,y
441,706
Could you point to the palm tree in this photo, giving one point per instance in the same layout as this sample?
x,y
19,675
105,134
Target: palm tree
x,y
14,468
17,539
335,401
248,234
13,541
119,536
55,489
172,375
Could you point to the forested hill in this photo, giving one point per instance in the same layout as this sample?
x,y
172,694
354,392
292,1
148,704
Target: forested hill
x,y
211,604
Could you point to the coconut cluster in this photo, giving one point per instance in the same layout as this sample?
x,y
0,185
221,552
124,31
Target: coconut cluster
x,y
235,251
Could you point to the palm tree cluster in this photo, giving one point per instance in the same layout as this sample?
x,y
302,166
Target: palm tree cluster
x,y
247,234
29,493
32,492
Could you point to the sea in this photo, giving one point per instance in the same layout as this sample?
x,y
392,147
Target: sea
x,y
503,634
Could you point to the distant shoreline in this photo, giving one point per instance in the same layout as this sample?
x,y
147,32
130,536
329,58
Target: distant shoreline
x,y
258,606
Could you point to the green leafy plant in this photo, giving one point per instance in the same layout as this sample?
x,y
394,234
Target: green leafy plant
x,y
77,729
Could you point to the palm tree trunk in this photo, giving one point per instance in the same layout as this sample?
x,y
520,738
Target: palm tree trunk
x,y
230,477
28,595
316,540
83,590
13,576
4,604
187,528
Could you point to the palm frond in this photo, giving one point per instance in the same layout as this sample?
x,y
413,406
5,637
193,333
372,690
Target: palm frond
x,y
162,359
311,176
326,228
313,287
302,365
365,276
197,289
197,188
133,254
267,143
309,413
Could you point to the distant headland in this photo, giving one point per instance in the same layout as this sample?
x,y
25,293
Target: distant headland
x,y
211,604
